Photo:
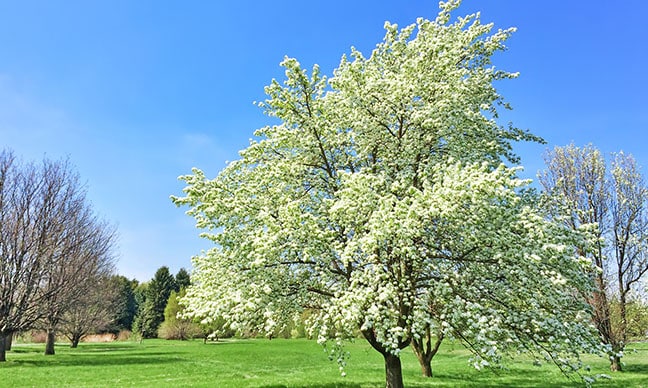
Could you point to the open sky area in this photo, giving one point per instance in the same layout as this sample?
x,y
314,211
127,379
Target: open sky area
x,y
136,93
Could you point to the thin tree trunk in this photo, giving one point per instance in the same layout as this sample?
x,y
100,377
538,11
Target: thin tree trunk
x,y
620,340
49,345
426,368
3,351
623,303
393,371
425,352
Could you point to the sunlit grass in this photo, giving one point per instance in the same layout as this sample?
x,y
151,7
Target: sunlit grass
x,y
276,363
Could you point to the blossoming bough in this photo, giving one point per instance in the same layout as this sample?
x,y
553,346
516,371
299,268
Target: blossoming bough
x,y
381,204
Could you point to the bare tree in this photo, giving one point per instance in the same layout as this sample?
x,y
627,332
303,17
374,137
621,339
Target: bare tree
x,y
22,246
629,234
49,241
93,311
81,248
580,189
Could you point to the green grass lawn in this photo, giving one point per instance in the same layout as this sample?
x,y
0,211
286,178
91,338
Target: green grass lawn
x,y
276,363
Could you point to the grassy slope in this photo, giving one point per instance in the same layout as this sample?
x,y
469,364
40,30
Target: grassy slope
x,y
276,363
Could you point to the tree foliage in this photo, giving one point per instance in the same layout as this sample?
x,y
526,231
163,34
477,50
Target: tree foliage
x,y
127,306
175,326
613,202
381,204
182,279
153,300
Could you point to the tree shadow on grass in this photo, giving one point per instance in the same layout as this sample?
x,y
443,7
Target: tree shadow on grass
x,y
222,342
636,368
437,382
94,361
23,350
331,385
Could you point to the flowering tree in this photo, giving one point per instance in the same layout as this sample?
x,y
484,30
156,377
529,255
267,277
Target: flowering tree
x,y
578,184
381,204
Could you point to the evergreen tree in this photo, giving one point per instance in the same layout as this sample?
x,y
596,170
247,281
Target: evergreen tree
x,y
182,279
157,295
127,308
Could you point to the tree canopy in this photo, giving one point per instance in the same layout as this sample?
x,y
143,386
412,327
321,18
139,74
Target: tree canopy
x,y
153,300
382,204
579,186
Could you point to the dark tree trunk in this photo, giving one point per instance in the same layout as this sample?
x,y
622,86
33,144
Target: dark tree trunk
x,y
3,351
49,345
76,338
8,341
426,369
623,328
620,340
393,371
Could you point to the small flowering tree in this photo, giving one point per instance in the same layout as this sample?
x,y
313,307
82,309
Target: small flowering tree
x,y
381,205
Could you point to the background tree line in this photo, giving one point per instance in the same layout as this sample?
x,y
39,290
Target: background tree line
x,y
57,259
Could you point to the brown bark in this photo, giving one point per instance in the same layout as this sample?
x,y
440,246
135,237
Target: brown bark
x,y
426,369
49,345
615,364
425,351
623,328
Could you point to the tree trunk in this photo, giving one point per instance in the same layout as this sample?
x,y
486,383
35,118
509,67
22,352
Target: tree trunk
x,y
615,364
424,361
8,341
426,368
393,371
3,351
75,340
623,327
49,345
425,351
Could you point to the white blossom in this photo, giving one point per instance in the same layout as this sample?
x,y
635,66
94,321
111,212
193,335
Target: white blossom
x,y
381,203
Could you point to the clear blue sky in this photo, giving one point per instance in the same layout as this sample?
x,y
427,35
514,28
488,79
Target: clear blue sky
x,y
137,93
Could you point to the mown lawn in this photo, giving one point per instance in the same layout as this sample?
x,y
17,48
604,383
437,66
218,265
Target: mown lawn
x,y
276,363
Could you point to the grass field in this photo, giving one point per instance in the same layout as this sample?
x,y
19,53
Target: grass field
x,y
276,363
